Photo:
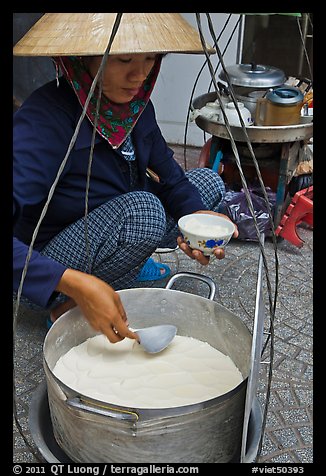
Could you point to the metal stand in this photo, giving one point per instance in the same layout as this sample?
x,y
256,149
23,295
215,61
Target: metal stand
x,y
290,138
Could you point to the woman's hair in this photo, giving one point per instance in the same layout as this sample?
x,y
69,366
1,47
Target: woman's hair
x,y
86,59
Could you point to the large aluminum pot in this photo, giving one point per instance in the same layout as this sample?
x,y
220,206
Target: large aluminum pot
x,y
90,431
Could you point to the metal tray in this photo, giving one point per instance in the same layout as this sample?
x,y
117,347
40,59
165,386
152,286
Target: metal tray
x,y
41,429
258,134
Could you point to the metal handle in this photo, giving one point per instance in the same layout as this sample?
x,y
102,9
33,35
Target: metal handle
x,y
110,412
200,277
256,352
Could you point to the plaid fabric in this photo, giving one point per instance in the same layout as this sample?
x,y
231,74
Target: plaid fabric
x,y
124,232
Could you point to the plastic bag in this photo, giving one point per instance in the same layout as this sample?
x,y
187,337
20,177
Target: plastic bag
x,y
235,206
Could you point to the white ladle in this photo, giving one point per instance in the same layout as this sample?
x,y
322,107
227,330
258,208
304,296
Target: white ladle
x,y
156,338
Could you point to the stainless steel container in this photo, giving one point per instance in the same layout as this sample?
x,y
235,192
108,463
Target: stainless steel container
x,y
90,431
256,134
253,75
252,81
250,98
41,428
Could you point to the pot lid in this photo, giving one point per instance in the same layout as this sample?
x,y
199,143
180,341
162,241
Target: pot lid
x,y
254,75
285,96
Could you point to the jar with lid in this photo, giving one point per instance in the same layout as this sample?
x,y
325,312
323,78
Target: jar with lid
x,y
233,116
211,111
281,107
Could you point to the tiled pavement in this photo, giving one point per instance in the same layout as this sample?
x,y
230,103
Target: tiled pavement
x,y
288,436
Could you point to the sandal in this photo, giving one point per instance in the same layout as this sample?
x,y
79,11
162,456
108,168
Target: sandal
x,y
151,271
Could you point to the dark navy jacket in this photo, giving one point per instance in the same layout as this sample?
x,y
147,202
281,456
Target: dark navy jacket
x,y
43,128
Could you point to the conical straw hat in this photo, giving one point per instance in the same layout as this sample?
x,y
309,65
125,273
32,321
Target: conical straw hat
x,y
80,34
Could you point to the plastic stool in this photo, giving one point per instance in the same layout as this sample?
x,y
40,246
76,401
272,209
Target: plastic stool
x,y
300,209
205,159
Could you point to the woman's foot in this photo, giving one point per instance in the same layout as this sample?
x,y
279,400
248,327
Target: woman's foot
x,y
153,271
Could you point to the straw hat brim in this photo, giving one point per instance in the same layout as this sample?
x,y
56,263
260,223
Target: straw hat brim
x,y
88,34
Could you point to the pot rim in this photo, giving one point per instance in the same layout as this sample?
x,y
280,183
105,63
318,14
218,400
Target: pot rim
x,y
145,412
253,75
148,413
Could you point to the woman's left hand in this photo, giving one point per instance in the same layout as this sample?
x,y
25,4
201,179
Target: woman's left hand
x,y
219,253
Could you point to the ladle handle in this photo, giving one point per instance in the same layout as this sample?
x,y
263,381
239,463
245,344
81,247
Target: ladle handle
x,y
205,279
78,404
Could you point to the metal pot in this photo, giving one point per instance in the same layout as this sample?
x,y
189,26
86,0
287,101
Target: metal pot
x,y
256,134
253,76
251,81
90,431
249,98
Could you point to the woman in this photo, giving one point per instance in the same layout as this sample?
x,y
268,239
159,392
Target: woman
x,y
135,195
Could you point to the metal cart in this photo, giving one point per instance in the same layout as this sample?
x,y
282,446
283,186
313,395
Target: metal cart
x,y
289,138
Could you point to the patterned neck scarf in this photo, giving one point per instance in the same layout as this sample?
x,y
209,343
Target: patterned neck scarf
x,y
115,121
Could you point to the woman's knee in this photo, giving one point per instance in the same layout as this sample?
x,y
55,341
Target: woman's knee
x,y
209,184
145,215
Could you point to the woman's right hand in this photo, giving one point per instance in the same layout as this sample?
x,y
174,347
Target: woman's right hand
x,y
99,303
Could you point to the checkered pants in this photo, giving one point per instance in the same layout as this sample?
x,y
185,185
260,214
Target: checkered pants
x,y
123,232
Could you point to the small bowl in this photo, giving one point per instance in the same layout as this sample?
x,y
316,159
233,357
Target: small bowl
x,y
206,232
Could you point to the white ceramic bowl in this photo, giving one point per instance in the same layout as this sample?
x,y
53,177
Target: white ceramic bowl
x,y
206,232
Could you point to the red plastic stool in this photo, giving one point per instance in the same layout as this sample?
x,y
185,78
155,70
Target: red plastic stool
x,y
203,160
300,209
204,157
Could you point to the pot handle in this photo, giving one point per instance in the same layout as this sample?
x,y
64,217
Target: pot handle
x,y
79,404
200,277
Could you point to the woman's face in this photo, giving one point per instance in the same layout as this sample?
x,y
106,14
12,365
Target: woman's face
x,y
123,74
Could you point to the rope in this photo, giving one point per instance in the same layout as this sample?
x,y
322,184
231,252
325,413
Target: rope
x,y
272,303
304,44
99,77
44,210
195,85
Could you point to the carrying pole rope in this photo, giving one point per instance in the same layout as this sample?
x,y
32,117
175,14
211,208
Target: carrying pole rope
x,y
195,85
45,208
272,302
